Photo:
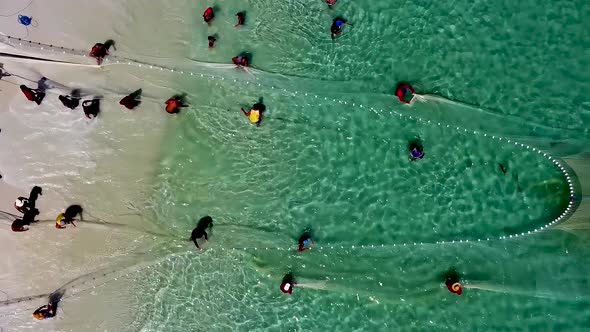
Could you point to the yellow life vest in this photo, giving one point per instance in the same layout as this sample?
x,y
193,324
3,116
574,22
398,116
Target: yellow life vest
x,y
254,116
59,219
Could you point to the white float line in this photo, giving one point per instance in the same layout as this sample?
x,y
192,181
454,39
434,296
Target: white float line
x,y
562,217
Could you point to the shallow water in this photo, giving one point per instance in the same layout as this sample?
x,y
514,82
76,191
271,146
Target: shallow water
x,y
343,170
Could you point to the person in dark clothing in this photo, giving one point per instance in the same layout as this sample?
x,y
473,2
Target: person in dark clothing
x,y
416,150
49,310
338,26
241,19
91,108
72,212
19,225
22,225
33,95
200,230
241,60
71,101
255,113
288,283
304,241
132,100
33,196
208,15
212,40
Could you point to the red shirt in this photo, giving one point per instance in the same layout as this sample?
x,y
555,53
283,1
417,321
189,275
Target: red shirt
x,y
458,287
287,287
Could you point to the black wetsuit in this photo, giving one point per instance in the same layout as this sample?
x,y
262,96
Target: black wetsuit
x,y
259,106
71,212
69,101
198,233
200,230
33,196
91,107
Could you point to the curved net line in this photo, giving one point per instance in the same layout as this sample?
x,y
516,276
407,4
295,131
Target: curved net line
x,y
573,199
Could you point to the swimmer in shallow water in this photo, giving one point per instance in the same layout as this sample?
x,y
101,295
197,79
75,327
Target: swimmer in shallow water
x,y
453,282
255,113
241,19
288,283
305,241
337,26
22,225
416,150
240,61
405,93
201,231
208,15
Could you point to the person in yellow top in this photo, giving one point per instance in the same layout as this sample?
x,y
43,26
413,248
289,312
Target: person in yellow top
x,y
255,113
67,217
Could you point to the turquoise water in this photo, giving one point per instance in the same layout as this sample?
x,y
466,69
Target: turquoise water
x,y
343,171
517,70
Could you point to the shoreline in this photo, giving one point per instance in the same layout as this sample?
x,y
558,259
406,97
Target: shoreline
x,y
61,151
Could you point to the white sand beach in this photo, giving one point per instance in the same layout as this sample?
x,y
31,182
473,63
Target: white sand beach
x,y
106,165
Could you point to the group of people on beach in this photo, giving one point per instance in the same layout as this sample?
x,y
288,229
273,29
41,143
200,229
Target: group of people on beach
x,y
27,206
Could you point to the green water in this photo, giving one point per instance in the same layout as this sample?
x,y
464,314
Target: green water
x,y
343,170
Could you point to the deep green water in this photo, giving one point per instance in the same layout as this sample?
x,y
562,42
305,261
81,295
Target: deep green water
x,y
343,171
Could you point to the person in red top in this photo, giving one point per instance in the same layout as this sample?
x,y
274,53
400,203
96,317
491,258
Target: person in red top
x,y
212,40
174,104
241,18
331,3
453,282
208,15
100,50
132,100
405,93
22,225
288,283
33,95
240,60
